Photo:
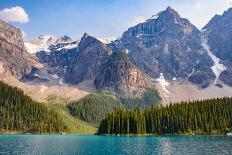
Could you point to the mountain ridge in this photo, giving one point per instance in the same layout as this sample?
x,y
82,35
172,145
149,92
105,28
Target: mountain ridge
x,y
167,48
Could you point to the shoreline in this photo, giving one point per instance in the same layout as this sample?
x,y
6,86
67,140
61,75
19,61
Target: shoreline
x,y
129,135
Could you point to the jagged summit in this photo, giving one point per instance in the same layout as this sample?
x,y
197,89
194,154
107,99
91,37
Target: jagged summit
x,y
64,39
121,76
168,14
86,35
170,45
218,34
91,54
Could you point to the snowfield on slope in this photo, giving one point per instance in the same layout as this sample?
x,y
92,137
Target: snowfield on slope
x,y
217,68
163,83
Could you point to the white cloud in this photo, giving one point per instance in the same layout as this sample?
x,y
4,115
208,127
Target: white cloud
x,y
136,20
14,14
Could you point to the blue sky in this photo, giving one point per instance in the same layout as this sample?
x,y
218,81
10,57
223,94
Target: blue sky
x,y
104,18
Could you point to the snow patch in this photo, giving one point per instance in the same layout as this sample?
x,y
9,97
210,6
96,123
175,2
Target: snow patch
x,y
40,44
217,68
127,51
55,76
107,40
154,17
33,48
163,83
191,72
139,35
61,82
67,47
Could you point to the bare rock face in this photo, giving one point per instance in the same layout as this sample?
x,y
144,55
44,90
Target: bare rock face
x,y
121,76
219,32
226,77
168,44
91,54
13,56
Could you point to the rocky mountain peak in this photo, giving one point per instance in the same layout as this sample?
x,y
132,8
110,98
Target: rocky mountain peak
x,y
121,76
91,54
218,33
169,15
64,39
170,45
85,36
218,20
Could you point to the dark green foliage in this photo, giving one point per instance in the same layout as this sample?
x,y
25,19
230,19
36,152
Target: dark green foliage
x,y
200,117
150,98
94,107
19,112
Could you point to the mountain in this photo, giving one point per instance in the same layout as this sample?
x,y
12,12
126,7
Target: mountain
x,y
166,50
64,39
14,57
121,76
56,54
170,45
91,54
218,33
42,43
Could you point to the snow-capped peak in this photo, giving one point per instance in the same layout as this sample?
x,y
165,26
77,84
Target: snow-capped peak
x,y
107,40
43,42
64,39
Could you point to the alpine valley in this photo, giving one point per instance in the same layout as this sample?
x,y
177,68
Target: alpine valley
x,y
76,85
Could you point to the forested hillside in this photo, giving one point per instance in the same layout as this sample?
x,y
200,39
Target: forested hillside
x,y
199,117
94,107
19,112
150,98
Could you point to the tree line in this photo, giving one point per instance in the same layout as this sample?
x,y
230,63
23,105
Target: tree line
x,y
212,116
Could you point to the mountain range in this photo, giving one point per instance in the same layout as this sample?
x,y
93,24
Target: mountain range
x,y
166,52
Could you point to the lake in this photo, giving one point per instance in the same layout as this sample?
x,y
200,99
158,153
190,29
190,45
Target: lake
x,y
100,145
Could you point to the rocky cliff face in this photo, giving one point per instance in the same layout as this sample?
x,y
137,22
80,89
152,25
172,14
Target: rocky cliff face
x,y
170,45
120,75
91,54
13,56
218,32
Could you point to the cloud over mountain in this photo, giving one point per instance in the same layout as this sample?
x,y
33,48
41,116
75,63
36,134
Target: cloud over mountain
x,y
14,14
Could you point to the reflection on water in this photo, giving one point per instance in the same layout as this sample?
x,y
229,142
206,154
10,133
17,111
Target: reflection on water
x,y
81,144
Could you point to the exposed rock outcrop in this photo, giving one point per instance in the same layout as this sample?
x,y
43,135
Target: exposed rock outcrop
x,y
219,32
121,76
91,54
170,45
13,55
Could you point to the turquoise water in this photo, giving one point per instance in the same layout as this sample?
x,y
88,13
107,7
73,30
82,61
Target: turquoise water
x,y
100,145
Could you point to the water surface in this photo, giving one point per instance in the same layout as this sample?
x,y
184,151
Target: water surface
x,y
109,145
